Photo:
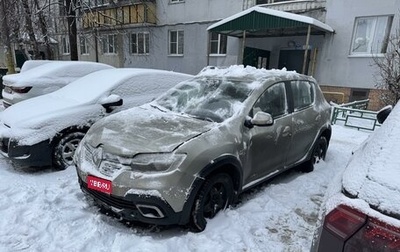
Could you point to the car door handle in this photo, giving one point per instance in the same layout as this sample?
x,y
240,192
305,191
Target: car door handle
x,y
287,131
318,118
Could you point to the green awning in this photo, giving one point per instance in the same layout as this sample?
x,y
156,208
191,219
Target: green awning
x,y
264,22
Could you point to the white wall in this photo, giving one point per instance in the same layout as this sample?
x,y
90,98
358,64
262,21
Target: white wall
x,y
336,67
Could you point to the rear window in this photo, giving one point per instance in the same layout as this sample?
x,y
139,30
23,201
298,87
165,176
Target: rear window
x,y
303,94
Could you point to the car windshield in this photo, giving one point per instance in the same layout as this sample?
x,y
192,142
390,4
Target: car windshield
x,y
212,99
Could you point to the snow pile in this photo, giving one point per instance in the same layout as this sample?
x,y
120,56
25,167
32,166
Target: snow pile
x,y
241,72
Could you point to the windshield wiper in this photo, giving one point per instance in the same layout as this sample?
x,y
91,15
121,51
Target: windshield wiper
x,y
203,118
156,107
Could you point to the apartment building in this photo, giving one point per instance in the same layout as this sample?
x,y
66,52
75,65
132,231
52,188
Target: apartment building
x,y
333,40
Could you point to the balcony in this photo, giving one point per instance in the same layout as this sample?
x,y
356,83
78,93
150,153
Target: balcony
x,y
121,14
311,8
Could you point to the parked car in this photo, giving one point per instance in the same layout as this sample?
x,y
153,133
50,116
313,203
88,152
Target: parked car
x,y
362,212
42,77
45,130
29,64
187,155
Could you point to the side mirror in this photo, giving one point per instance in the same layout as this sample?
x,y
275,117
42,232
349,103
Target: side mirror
x,y
383,113
260,119
111,101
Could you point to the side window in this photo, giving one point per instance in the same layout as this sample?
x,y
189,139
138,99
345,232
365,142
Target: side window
x,y
303,94
272,101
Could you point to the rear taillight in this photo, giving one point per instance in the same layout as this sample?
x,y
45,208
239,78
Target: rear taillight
x,y
21,90
380,236
344,221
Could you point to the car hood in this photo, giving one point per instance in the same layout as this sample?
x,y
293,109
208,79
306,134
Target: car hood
x,y
144,130
31,112
373,172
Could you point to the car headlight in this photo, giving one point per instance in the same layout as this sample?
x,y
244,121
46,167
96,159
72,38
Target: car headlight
x,y
157,162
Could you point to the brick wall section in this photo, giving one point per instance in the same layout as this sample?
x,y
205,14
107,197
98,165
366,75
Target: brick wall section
x,y
342,94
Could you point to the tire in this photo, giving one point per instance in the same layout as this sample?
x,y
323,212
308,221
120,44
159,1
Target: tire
x,y
318,153
215,195
64,149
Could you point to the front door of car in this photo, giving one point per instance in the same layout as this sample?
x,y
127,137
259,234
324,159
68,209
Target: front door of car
x,y
268,145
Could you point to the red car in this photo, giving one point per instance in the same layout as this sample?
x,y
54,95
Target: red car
x,y
363,208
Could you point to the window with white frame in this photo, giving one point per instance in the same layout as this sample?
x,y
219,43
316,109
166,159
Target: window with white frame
x,y
218,43
371,35
140,42
83,44
108,43
176,42
65,45
176,1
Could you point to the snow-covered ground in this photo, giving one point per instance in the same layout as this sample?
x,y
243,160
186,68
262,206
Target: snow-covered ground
x,y
46,211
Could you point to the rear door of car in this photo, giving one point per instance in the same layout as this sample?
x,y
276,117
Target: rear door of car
x,y
305,119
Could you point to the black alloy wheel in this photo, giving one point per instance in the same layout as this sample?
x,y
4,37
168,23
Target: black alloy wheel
x,y
215,195
64,149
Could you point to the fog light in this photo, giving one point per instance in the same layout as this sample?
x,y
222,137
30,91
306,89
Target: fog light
x,y
150,211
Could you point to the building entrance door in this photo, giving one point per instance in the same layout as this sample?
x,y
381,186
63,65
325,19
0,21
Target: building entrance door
x,y
293,60
256,57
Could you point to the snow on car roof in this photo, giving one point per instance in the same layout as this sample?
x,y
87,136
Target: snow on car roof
x,y
374,171
50,73
242,72
92,85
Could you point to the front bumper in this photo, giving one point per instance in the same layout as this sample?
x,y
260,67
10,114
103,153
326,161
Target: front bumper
x,y
39,154
134,207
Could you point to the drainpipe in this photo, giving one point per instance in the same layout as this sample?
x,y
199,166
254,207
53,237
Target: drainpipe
x,y
208,47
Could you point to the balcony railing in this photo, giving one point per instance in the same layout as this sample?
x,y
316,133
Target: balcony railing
x,y
144,12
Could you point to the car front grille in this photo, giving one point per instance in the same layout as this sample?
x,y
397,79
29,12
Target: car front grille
x,y
108,199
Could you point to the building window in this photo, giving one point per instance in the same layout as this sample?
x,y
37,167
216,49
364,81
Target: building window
x,y
176,42
218,43
83,44
140,43
108,43
65,45
371,35
358,94
176,1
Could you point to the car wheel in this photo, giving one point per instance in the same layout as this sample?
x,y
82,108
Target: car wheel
x,y
318,154
319,151
215,195
64,149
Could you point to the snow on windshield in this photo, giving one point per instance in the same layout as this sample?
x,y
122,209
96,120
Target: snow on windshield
x,y
207,98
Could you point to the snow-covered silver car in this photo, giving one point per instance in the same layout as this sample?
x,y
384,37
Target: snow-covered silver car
x,y
40,77
45,130
187,155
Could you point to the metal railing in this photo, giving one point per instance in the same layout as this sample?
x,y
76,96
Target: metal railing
x,y
355,115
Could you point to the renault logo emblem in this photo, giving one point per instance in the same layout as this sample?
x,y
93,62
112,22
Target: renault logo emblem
x,y
97,156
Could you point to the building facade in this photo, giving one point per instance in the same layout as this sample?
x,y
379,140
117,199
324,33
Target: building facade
x,y
338,50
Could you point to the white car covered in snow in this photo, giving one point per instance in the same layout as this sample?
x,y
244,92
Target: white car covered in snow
x,y
44,76
363,206
45,130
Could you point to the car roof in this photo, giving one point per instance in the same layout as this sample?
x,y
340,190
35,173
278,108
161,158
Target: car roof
x,y
373,172
104,80
51,72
